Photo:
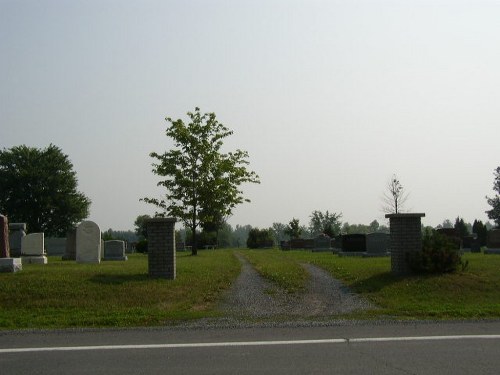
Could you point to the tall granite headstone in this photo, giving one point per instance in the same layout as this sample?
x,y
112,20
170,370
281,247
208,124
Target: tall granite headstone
x,y
16,232
88,243
7,264
4,237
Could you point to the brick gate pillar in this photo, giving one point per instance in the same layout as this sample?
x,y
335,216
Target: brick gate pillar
x,y
161,247
406,236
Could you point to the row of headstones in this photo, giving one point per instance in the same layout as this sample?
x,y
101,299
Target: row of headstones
x,y
85,245
471,243
371,244
367,245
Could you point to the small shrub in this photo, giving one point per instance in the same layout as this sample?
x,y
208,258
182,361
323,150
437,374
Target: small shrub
x,y
142,246
439,255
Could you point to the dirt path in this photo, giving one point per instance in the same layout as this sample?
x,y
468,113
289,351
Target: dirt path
x,y
253,296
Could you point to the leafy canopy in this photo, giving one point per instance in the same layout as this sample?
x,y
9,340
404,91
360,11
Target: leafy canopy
x,y
202,182
39,187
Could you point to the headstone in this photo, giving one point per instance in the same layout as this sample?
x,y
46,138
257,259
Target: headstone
x,y
377,244
322,243
4,237
114,250
55,246
16,232
33,249
468,243
354,243
88,243
337,244
493,242
70,249
7,264
33,244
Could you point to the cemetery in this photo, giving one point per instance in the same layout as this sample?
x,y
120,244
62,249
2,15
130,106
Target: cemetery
x,y
378,258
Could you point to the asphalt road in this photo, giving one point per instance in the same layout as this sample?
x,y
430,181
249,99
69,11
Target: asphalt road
x,y
344,348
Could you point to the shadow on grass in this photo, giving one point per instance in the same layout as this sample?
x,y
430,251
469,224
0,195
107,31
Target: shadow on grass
x,y
119,279
376,282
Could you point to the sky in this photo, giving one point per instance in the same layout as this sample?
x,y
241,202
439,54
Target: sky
x,y
329,98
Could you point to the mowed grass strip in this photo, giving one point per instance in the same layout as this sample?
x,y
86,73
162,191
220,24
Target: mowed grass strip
x,y
474,293
286,272
65,294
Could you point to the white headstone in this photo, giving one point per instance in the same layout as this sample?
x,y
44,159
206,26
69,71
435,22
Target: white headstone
x,y
33,244
88,243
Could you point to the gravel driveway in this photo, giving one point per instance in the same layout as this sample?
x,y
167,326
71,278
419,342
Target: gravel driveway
x,y
255,297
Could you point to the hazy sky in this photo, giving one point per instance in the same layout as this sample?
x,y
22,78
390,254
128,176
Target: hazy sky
x,y
330,98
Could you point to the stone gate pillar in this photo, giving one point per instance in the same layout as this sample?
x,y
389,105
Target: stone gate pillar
x,y
161,247
406,236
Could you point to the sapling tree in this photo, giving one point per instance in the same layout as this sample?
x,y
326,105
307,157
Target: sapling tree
x,y
202,182
394,197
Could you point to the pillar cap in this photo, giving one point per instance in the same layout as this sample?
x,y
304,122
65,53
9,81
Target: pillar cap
x,y
408,214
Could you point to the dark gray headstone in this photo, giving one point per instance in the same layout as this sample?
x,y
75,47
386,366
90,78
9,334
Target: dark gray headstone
x,y
377,243
114,250
354,243
322,243
493,241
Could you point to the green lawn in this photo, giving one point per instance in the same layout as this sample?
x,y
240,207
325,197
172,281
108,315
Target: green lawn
x,y
66,294
474,293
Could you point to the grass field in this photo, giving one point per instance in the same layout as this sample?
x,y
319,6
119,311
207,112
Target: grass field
x,y
65,294
474,293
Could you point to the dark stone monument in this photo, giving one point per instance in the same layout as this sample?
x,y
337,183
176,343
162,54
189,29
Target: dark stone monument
x,y
354,243
4,237
161,248
377,244
493,242
322,243
114,250
406,237
7,264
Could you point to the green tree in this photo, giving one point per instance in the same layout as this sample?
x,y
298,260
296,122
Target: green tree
x,y
279,232
140,226
394,197
494,202
481,231
202,182
260,238
461,227
39,187
327,223
293,229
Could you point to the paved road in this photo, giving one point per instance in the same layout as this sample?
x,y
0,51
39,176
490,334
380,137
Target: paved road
x,y
383,348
